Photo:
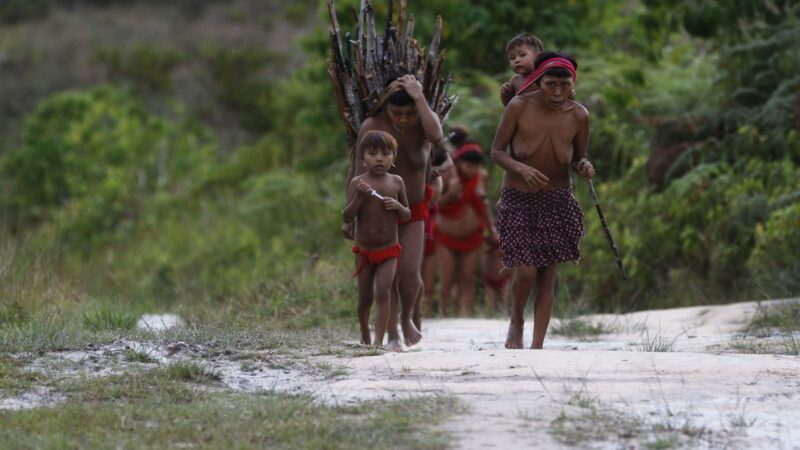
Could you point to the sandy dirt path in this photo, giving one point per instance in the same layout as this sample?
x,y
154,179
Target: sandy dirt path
x,y
603,393
695,396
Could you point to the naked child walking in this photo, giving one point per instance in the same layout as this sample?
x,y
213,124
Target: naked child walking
x,y
376,200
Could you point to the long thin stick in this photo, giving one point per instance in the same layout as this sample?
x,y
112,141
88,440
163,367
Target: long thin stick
x,y
607,231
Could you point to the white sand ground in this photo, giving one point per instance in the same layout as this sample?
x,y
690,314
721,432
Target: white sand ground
x,y
739,400
701,395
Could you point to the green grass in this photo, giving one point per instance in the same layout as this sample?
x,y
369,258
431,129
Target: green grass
x,y
782,317
13,379
190,371
59,329
787,345
51,332
13,313
581,328
139,357
654,343
108,319
148,410
593,422
331,371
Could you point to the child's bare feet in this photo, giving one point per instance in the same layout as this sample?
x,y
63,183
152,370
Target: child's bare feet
x,y
514,338
411,335
394,345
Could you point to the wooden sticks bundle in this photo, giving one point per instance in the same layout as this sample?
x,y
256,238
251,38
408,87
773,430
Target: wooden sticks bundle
x,y
364,64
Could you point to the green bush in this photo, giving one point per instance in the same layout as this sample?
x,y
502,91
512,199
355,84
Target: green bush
x,y
774,262
88,159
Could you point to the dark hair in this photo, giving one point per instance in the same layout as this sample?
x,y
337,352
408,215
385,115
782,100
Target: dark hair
x,y
400,98
377,139
458,135
525,39
472,157
558,72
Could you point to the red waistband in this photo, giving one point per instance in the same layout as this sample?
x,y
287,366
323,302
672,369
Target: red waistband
x,y
420,209
462,244
376,257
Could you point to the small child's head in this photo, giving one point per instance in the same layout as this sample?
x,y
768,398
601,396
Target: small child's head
x,y
458,135
378,150
468,159
522,51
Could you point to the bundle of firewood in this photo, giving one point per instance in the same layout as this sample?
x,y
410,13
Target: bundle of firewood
x,y
364,64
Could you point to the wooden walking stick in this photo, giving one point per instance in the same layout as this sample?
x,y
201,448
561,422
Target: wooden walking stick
x,y
606,230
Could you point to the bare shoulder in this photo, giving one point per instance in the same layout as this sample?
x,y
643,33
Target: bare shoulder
x,y
354,181
370,123
517,103
579,111
396,178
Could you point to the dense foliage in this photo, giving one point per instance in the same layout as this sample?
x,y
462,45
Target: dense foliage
x,y
117,192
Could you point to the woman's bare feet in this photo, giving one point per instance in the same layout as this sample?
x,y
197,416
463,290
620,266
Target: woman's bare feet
x,y
366,338
514,338
411,335
394,345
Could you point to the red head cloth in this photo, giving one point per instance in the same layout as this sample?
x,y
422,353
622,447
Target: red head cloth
x,y
469,147
544,67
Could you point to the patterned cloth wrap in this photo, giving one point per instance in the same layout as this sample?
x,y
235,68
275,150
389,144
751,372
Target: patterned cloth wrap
x,y
539,229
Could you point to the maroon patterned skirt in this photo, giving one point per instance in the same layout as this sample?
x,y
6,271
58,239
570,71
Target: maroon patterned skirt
x,y
539,229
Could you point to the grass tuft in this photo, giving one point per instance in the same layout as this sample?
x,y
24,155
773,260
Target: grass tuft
x,y
654,343
580,328
191,371
108,319
139,357
13,378
13,314
782,317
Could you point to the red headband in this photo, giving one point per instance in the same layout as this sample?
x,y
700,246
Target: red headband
x,y
547,65
470,147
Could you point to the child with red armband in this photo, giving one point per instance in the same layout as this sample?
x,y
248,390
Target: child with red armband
x,y
376,200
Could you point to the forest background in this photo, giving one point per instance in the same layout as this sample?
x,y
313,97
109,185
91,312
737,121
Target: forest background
x,y
188,157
